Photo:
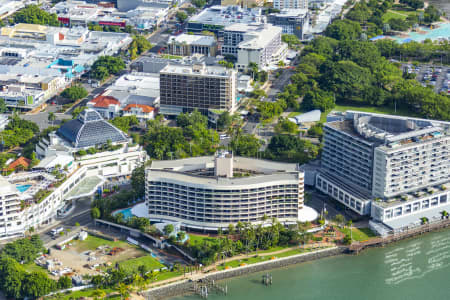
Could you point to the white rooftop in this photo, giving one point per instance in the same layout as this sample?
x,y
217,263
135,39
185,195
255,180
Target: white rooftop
x,y
292,12
6,187
226,15
197,70
202,40
311,116
53,160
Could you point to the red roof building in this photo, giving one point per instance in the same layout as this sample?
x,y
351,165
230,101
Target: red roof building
x,y
20,163
141,111
108,107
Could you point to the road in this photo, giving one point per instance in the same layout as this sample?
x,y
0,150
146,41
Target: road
x,y
81,214
279,83
319,201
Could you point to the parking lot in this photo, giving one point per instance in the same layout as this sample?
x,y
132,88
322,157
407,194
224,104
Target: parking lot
x,y
428,75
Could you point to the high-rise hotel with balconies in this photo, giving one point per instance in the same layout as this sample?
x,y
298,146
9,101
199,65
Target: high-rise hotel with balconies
x,y
397,169
211,192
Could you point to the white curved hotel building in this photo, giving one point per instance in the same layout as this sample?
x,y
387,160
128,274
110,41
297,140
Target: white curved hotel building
x,y
210,192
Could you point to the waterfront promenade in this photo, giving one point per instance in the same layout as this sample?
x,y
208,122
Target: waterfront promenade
x,y
356,247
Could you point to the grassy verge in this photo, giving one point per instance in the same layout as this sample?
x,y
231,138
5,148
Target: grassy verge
x,y
359,234
84,293
132,265
256,258
167,275
273,249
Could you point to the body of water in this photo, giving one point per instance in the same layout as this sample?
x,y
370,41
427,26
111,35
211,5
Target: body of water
x,y
443,31
416,269
23,187
127,214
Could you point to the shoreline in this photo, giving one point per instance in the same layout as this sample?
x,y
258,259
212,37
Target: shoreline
x,y
187,285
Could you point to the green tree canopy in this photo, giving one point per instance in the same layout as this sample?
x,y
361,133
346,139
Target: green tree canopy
x,y
107,65
181,16
318,99
291,149
125,123
32,14
245,145
138,180
344,30
74,92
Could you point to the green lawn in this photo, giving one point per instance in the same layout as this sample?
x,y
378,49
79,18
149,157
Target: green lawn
x,y
256,258
167,275
273,249
83,293
32,267
374,109
93,242
359,234
397,14
132,265
198,239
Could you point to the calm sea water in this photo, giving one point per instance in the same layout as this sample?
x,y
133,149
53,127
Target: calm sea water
x,y
444,5
416,269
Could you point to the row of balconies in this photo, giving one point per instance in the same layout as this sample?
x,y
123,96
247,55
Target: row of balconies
x,y
222,197
221,204
160,210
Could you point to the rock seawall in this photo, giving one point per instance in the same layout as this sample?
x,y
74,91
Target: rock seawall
x,y
186,286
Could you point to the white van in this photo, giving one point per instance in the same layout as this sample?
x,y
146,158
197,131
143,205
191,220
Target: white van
x,y
56,231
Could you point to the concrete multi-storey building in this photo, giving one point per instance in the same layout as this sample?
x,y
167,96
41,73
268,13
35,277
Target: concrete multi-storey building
x,y
207,193
280,4
397,169
257,43
242,3
10,207
216,18
292,21
187,88
188,44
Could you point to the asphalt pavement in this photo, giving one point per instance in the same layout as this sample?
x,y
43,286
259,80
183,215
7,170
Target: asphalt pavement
x,y
81,214
320,201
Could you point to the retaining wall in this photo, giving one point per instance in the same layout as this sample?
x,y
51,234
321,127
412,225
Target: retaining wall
x,y
186,286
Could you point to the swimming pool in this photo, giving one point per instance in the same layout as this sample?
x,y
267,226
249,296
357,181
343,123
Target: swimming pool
x,y
126,213
443,31
23,187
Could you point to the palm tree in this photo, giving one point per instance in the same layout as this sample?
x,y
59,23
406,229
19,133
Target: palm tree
x,y
239,226
264,218
139,282
124,290
51,117
98,294
230,229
